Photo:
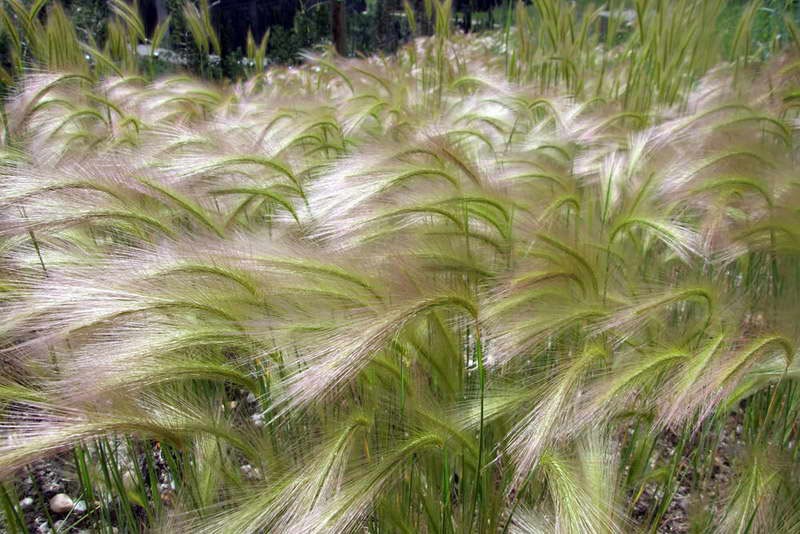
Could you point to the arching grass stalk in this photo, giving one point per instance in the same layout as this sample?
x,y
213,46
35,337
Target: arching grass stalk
x,y
767,421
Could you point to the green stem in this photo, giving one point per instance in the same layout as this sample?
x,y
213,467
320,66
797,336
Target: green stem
x,y
482,383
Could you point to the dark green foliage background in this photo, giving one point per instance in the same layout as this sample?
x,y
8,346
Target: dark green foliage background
x,y
372,26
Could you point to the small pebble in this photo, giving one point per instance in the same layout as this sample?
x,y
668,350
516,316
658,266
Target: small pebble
x,y
251,398
258,419
61,503
59,525
26,503
80,507
250,473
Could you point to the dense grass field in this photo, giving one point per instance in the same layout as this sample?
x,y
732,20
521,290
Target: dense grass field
x,y
545,279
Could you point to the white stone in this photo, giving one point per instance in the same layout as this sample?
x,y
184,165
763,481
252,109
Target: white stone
x,y
80,507
61,503
250,472
26,503
258,419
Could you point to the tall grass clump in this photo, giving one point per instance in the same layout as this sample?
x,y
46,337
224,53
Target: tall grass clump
x,y
538,280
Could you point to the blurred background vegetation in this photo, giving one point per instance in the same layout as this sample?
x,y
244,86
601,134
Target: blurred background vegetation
x,y
286,28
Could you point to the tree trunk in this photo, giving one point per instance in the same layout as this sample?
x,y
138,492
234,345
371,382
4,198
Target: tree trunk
x,y
339,26
468,9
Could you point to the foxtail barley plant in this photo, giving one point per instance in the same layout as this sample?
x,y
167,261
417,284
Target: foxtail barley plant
x,y
539,280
